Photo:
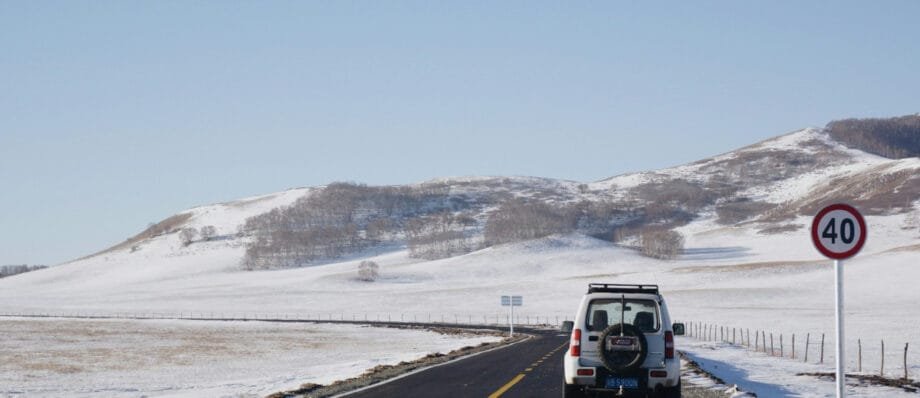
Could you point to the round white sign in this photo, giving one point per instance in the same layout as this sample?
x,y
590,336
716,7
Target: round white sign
x,y
838,231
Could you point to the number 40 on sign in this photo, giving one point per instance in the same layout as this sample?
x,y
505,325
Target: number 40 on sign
x,y
838,231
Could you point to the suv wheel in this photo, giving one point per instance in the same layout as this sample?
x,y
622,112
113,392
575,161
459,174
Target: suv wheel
x,y
671,392
572,391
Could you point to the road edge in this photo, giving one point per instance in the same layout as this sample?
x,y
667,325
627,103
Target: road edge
x,y
388,373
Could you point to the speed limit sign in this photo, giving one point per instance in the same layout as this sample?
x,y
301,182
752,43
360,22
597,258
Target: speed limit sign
x,y
838,231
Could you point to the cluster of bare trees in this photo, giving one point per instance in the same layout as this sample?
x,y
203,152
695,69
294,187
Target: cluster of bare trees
x,y
187,235
894,138
661,244
293,248
740,209
599,219
440,235
10,270
677,193
339,219
518,220
346,218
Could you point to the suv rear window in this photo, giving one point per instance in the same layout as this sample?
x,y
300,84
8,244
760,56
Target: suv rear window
x,y
642,314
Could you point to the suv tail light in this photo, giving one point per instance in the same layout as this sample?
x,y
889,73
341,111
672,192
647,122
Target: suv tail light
x,y
669,345
575,344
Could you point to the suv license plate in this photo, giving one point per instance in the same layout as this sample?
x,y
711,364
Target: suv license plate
x,y
626,382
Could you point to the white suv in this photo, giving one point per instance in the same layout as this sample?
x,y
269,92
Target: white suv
x,y
622,343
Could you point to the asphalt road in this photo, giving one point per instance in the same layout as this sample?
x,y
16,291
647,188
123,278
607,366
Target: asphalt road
x,y
529,369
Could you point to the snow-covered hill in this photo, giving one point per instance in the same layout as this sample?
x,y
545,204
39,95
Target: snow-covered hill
x,y
788,175
755,270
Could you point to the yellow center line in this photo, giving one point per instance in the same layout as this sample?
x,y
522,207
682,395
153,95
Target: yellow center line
x,y
506,387
498,393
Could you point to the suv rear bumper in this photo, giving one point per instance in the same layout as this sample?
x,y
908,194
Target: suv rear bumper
x,y
668,376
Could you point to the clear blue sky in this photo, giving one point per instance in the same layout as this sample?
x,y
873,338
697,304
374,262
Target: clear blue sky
x,y
116,114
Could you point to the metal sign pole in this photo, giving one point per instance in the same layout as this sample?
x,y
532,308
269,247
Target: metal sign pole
x,y
841,363
511,321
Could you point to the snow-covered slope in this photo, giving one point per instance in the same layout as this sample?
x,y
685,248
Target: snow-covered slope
x,y
731,274
161,273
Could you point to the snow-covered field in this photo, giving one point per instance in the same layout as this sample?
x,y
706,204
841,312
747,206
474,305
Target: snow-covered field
x,y
73,358
729,276
773,377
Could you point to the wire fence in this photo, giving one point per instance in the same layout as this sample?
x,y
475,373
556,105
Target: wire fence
x,y
805,347
364,317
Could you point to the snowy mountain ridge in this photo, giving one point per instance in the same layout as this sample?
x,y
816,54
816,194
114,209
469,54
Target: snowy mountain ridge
x,y
765,184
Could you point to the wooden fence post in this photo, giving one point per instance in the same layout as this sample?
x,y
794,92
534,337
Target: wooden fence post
x,y
905,361
859,355
756,340
822,348
782,351
793,346
881,371
733,335
807,340
772,352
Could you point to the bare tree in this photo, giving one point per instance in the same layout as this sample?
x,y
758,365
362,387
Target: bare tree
x,y
368,271
208,232
187,235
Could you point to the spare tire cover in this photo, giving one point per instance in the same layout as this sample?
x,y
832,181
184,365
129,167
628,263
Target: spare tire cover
x,y
622,354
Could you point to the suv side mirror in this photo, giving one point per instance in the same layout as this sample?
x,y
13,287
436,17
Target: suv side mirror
x,y
567,326
678,329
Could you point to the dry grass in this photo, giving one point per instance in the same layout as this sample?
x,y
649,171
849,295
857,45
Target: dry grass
x,y
746,267
779,229
877,191
77,346
169,225
908,248
597,276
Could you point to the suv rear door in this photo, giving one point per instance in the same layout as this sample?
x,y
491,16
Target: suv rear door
x,y
605,310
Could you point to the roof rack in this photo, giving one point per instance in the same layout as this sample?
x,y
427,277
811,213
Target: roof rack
x,y
619,288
